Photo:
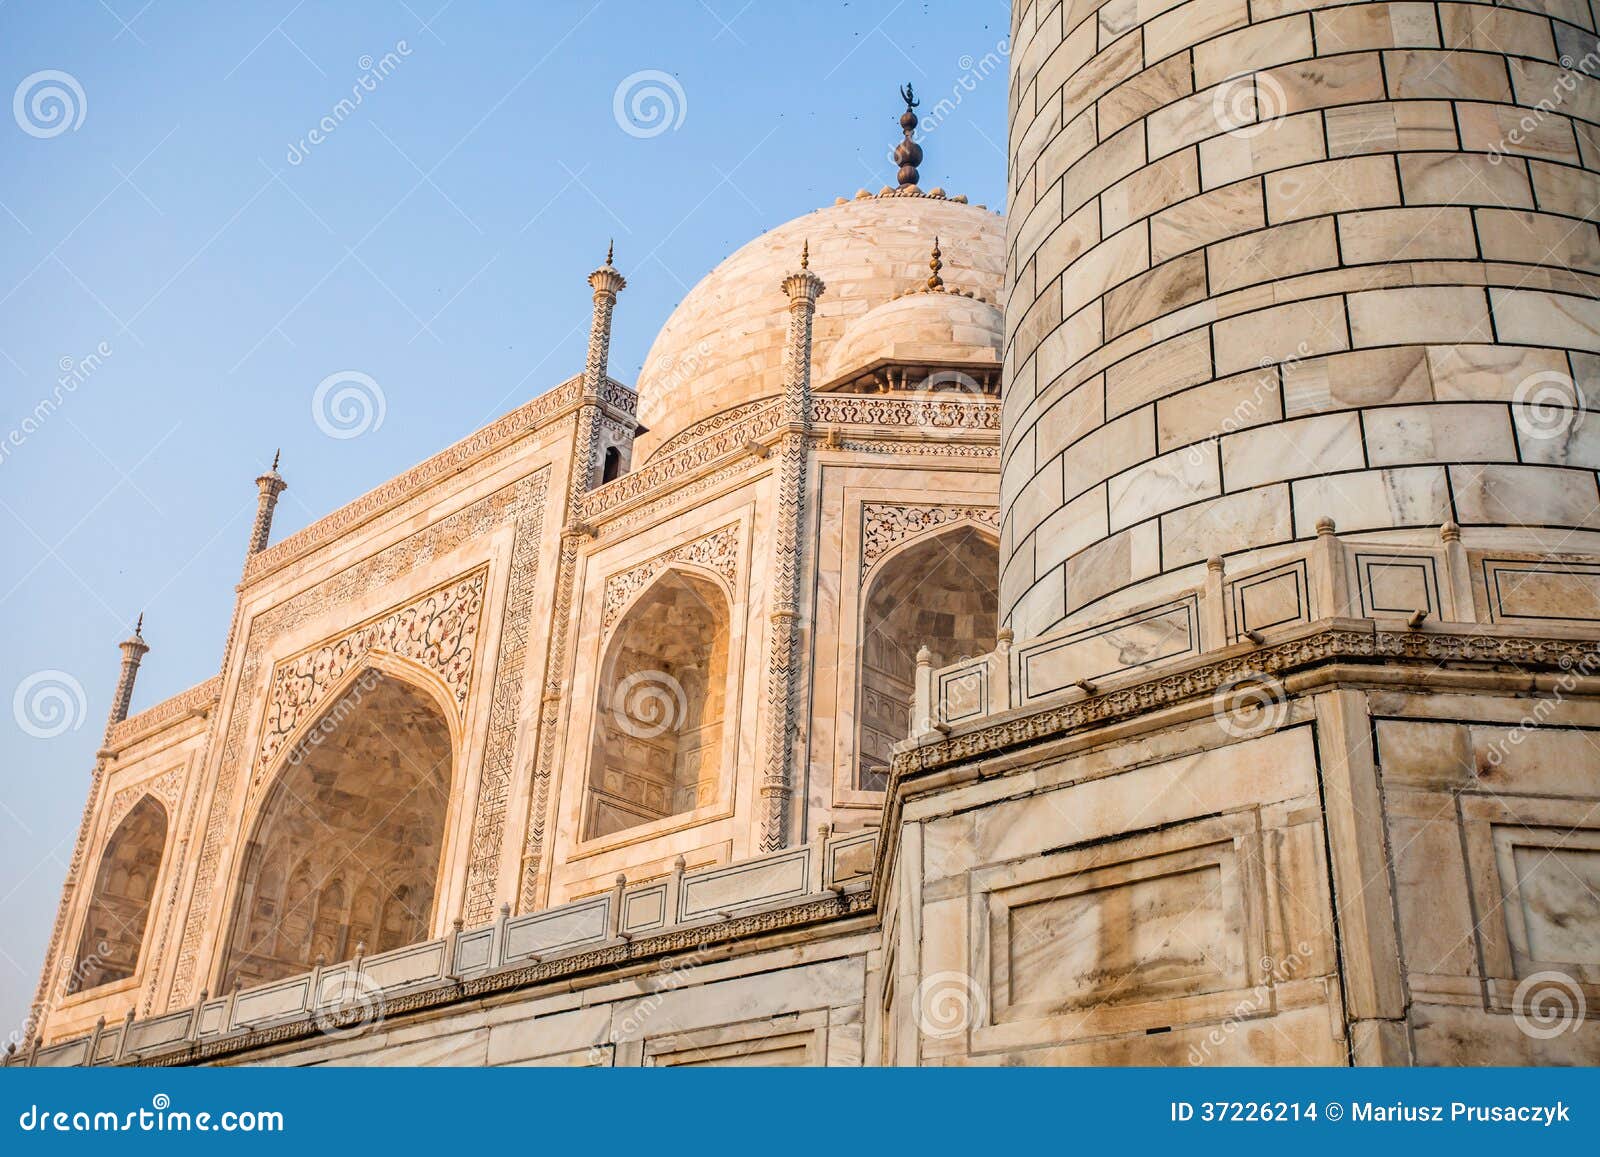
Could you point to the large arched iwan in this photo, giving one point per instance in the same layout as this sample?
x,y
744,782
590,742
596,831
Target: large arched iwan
x,y
346,849
662,708
941,593
119,908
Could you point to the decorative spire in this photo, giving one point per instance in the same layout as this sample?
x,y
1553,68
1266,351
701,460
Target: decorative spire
x,y
785,585
936,263
133,652
908,154
586,469
268,487
805,254
606,283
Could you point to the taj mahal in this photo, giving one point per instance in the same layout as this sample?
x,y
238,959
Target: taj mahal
x,y
1156,625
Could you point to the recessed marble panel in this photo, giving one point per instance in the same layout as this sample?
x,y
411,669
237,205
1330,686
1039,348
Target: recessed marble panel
x,y
1144,637
1397,584
1531,589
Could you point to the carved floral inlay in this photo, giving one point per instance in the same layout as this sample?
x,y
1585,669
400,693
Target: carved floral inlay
x,y
717,552
439,631
167,787
927,413
886,524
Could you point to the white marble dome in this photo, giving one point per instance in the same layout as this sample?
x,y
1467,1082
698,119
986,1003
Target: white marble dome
x,y
723,345
931,329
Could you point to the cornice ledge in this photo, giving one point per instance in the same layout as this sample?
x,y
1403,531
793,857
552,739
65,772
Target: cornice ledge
x,y
1329,641
200,699
610,955
532,415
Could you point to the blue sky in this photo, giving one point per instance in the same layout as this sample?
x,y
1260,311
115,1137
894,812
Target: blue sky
x,y
175,245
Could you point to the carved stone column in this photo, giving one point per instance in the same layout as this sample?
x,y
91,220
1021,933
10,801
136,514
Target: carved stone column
x,y
607,283
270,485
133,649
777,781
584,473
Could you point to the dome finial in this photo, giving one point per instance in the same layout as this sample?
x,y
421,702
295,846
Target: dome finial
x,y
936,263
805,254
611,246
908,154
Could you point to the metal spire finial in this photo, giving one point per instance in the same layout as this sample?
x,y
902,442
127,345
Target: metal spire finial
x,y
908,154
936,263
611,246
276,454
138,627
805,254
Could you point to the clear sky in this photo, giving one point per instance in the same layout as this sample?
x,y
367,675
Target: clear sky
x,y
176,246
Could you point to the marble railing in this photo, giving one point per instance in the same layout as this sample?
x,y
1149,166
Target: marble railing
x,y
1328,576
334,993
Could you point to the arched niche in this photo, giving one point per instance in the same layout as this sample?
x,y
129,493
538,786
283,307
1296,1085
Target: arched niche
x,y
662,706
939,592
119,907
346,848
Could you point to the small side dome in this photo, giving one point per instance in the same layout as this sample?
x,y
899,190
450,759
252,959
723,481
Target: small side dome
x,y
723,345
915,335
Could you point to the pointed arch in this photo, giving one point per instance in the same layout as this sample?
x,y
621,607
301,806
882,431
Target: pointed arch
x,y
353,821
938,590
657,748
119,907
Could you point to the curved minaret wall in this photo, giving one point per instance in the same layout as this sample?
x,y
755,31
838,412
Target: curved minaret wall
x,y
1269,265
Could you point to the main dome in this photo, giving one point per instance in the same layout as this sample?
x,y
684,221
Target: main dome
x,y
723,345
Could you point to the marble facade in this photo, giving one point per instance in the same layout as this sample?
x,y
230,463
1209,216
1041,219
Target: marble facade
x,y
1228,693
